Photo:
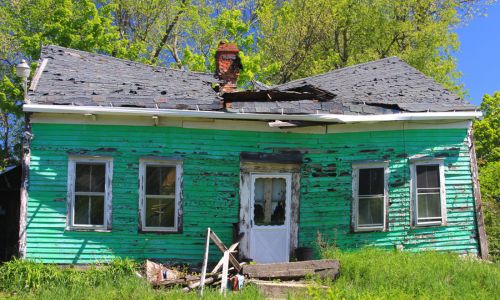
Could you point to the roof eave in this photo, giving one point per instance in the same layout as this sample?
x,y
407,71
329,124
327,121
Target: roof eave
x,y
324,118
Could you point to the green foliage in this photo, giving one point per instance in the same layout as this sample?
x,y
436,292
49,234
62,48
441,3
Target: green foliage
x,y
487,130
24,279
25,275
309,37
379,274
365,274
487,137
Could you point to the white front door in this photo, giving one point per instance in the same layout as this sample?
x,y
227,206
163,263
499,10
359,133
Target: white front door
x,y
270,217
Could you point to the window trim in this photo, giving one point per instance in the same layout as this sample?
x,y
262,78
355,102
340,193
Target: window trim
x,y
108,177
356,166
143,163
442,190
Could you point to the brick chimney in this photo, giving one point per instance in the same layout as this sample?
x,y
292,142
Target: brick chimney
x,y
227,66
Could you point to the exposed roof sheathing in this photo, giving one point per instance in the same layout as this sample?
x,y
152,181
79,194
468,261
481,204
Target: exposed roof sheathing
x,y
385,86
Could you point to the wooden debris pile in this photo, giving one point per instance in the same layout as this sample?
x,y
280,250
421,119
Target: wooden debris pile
x,y
227,270
229,273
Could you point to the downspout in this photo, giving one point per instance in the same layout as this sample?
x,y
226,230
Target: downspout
x,y
478,207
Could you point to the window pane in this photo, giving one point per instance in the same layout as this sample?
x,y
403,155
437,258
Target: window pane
x,y
89,210
97,210
371,211
82,180
428,176
429,206
371,181
90,177
97,176
160,212
269,201
160,180
82,204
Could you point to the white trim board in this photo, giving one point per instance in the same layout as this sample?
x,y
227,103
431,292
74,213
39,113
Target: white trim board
x,y
241,125
323,118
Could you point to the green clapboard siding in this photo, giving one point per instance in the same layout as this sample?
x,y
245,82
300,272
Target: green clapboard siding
x,y
211,181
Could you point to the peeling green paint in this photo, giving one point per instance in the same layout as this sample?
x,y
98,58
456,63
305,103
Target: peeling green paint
x,y
211,163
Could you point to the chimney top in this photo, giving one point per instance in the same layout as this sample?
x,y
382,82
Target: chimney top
x,y
228,66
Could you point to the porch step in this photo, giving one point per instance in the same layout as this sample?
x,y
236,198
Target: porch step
x,y
285,289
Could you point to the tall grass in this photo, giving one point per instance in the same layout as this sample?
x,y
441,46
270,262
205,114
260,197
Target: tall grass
x,y
365,274
381,274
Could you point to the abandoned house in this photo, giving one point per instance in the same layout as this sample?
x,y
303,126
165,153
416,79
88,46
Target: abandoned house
x,y
131,160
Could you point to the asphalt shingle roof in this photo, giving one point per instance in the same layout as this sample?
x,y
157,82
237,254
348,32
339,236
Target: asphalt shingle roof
x,y
385,86
81,78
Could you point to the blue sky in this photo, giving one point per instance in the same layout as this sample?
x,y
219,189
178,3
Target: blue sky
x,y
479,55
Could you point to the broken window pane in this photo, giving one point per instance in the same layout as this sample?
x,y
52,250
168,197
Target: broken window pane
x,y
371,197
89,210
371,211
90,177
269,201
160,180
160,212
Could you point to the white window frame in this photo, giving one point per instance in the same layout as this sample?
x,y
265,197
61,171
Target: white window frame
x,y
143,163
356,166
108,177
442,190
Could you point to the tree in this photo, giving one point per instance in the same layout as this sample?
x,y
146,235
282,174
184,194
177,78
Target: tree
x,y
487,136
302,38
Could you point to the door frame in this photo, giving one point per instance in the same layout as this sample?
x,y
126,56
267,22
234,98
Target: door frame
x,y
247,169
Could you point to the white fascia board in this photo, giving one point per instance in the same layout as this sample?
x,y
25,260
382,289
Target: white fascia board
x,y
324,118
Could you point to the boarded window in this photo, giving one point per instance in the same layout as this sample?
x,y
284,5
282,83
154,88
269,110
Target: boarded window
x,y
428,194
269,201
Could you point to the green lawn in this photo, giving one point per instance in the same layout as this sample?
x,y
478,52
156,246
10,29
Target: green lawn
x,y
365,274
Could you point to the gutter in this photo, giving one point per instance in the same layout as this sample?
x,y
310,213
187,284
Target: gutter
x,y
324,118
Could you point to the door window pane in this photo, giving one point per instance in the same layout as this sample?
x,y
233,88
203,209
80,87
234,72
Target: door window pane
x,y
269,201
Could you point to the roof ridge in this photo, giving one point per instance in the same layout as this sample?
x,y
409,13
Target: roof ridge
x,y
126,60
341,69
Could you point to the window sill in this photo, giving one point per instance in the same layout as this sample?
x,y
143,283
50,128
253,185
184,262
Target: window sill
x,y
440,224
86,229
361,230
157,231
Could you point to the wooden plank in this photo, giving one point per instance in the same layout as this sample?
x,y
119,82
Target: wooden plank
x,y
234,262
290,270
221,261
268,204
205,262
225,265
483,240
